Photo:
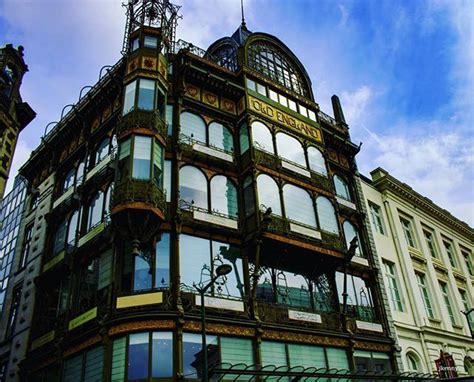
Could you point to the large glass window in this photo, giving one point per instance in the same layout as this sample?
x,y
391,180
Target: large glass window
x,y
192,353
193,126
193,186
147,355
249,198
447,301
129,100
72,229
349,233
392,283
142,157
244,139
158,164
316,161
377,219
69,179
425,295
145,98
87,366
200,257
430,243
342,188
96,210
326,215
262,137
102,150
448,246
220,137
372,361
290,148
359,300
223,196
60,237
408,232
268,194
146,94
167,180
294,290
298,205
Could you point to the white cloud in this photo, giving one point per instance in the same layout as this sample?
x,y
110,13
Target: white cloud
x,y
22,153
344,15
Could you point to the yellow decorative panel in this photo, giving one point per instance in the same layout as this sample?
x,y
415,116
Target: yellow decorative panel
x,y
193,92
228,106
241,105
139,300
149,63
163,66
43,340
210,99
283,118
83,318
132,65
55,260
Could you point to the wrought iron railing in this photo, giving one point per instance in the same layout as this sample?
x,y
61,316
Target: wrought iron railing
x,y
326,118
187,206
137,190
182,45
148,119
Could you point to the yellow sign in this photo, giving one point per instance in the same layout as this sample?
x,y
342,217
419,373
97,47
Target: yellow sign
x,y
285,119
83,318
43,340
55,260
139,300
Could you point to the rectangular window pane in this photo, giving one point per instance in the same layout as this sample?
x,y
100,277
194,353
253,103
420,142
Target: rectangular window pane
x,y
167,180
138,356
162,356
146,94
430,243
408,232
306,356
447,301
73,369
450,252
192,354
169,118
150,42
162,271
337,358
105,269
236,350
273,95
141,157
303,110
283,100
118,360
94,362
292,105
392,282
425,295
311,115
377,218
195,259
158,164
468,260
129,100
142,277
244,139
261,89
251,85
273,353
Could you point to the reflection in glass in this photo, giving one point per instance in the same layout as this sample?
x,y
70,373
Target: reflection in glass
x,y
316,161
223,196
359,299
262,137
193,186
244,138
167,180
162,262
220,137
142,279
268,194
138,356
249,198
342,189
141,157
298,205
349,233
129,101
193,127
95,210
146,94
192,354
162,355
72,229
69,179
102,150
290,148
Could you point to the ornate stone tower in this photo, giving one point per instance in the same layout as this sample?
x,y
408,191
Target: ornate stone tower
x,y
14,113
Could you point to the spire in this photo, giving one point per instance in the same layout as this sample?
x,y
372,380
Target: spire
x,y
242,10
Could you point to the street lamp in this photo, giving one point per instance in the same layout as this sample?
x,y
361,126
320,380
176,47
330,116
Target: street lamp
x,y
467,314
221,270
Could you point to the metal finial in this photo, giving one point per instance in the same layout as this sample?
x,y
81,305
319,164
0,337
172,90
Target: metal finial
x,y
242,9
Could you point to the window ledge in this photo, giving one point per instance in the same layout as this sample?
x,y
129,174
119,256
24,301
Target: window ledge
x,y
63,197
213,152
458,274
214,219
416,254
346,203
305,231
360,260
439,266
299,170
98,167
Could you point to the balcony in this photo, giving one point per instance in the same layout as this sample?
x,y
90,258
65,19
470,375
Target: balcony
x,y
200,151
99,170
193,214
282,165
130,191
139,120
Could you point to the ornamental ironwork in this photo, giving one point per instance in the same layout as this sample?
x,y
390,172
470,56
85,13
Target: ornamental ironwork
x,y
147,119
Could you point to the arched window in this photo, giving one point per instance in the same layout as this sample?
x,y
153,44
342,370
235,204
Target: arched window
x,y
60,237
102,150
413,362
298,205
342,189
223,196
220,137
326,215
262,137
349,233
80,172
316,161
193,127
268,193
72,229
193,186
95,210
69,179
290,148
273,62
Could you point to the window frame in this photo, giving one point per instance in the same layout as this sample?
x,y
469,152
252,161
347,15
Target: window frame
x,y
392,279
408,231
425,295
377,218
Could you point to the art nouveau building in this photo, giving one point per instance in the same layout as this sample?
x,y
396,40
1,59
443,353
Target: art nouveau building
x,y
428,267
177,161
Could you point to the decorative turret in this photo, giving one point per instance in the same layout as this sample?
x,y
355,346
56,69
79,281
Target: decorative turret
x,y
14,114
138,195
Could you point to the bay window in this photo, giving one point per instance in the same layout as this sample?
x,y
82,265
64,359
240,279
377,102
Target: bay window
x,y
290,148
262,137
143,94
360,303
142,157
200,257
223,196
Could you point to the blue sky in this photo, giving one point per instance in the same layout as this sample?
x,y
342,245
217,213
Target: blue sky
x,y
404,71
